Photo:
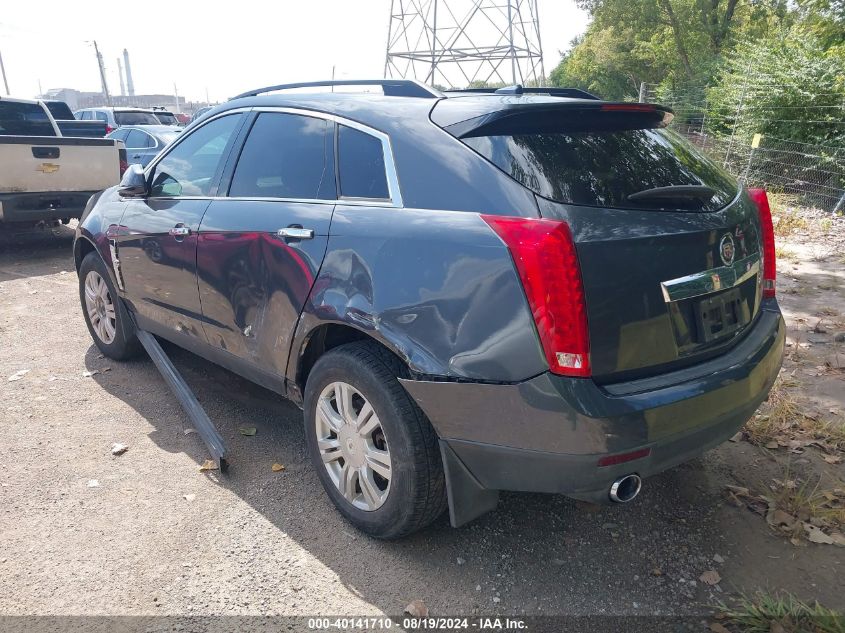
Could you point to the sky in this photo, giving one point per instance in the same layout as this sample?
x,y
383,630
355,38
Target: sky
x,y
220,47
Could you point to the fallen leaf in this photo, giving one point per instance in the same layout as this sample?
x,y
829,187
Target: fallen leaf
x,y
710,577
208,465
417,609
18,375
88,374
247,430
718,628
738,490
118,449
815,535
657,571
189,431
277,467
776,627
778,518
832,459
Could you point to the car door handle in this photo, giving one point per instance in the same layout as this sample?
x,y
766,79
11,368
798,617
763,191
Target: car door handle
x,y
297,233
136,156
180,231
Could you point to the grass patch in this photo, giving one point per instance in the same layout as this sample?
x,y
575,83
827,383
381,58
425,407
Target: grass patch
x,y
770,613
781,252
778,414
788,222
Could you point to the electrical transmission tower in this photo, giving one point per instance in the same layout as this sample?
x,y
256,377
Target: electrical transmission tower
x,y
465,43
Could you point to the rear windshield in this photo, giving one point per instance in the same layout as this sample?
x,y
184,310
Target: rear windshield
x,y
24,119
135,118
602,168
166,118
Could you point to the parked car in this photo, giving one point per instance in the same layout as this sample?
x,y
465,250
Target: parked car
x,y
183,118
533,290
165,117
145,142
118,117
70,126
43,175
199,113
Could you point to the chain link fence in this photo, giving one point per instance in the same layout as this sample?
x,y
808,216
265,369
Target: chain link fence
x,y
811,172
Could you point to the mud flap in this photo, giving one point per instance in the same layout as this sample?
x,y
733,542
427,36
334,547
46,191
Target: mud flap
x,y
468,499
199,418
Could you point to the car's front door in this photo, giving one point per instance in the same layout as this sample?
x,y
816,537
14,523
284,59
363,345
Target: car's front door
x,y
261,246
157,248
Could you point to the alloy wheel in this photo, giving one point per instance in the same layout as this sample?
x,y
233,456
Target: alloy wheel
x,y
100,307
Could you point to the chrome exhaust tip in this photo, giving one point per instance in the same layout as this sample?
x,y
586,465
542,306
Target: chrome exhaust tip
x,y
625,488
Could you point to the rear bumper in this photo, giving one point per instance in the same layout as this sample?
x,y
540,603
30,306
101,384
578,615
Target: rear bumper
x,y
47,205
548,433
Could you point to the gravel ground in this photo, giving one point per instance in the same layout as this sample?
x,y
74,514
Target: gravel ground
x,y
84,532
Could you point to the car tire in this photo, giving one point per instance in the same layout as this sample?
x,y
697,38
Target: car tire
x,y
415,494
105,315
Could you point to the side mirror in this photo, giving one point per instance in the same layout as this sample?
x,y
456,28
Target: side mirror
x,y
134,183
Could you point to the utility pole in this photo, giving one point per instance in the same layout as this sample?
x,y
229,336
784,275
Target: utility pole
x,y
642,92
3,71
176,94
102,74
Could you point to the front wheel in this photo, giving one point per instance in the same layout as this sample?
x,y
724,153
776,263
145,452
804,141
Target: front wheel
x,y
106,317
374,450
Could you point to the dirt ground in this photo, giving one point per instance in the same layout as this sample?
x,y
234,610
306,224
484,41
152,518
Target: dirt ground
x,y
84,532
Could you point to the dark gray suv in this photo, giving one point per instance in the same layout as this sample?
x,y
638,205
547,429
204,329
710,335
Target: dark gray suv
x,y
529,290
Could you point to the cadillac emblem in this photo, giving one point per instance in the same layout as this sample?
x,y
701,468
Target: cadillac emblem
x,y
726,249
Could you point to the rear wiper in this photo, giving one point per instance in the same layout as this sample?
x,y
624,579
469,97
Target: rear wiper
x,y
674,192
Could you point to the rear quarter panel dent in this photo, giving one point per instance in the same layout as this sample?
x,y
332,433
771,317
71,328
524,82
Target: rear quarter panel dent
x,y
438,288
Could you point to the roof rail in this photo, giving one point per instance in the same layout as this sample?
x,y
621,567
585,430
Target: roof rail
x,y
573,93
391,87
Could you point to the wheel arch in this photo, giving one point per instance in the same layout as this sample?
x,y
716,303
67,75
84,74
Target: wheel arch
x,y
320,338
81,247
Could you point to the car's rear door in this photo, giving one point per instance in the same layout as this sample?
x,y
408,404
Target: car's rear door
x,y
261,243
157,246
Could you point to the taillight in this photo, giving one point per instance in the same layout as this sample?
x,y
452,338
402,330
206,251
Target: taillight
x,y
545,258
110,129
768,234
123,167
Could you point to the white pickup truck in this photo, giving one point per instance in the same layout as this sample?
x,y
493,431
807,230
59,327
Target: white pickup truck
x,y
43,175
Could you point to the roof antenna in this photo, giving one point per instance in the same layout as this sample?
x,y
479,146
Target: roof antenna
x,y
516,89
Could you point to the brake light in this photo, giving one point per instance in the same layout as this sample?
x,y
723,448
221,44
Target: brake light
x,y
110,129
759,197
123,166
628,107
545,258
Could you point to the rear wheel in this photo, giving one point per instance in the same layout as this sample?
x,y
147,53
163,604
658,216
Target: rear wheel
x,y
375,452
106,317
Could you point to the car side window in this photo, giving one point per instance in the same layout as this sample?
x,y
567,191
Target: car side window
x,y
86,116
190,167
101,116
360,165
138,140
286,156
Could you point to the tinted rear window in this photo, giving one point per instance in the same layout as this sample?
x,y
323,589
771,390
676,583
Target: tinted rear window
x,y
24,119
361,165
59,110
166,118
135,118
602,168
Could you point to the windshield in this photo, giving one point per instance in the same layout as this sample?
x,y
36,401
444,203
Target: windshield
x,y
605,168
135,118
